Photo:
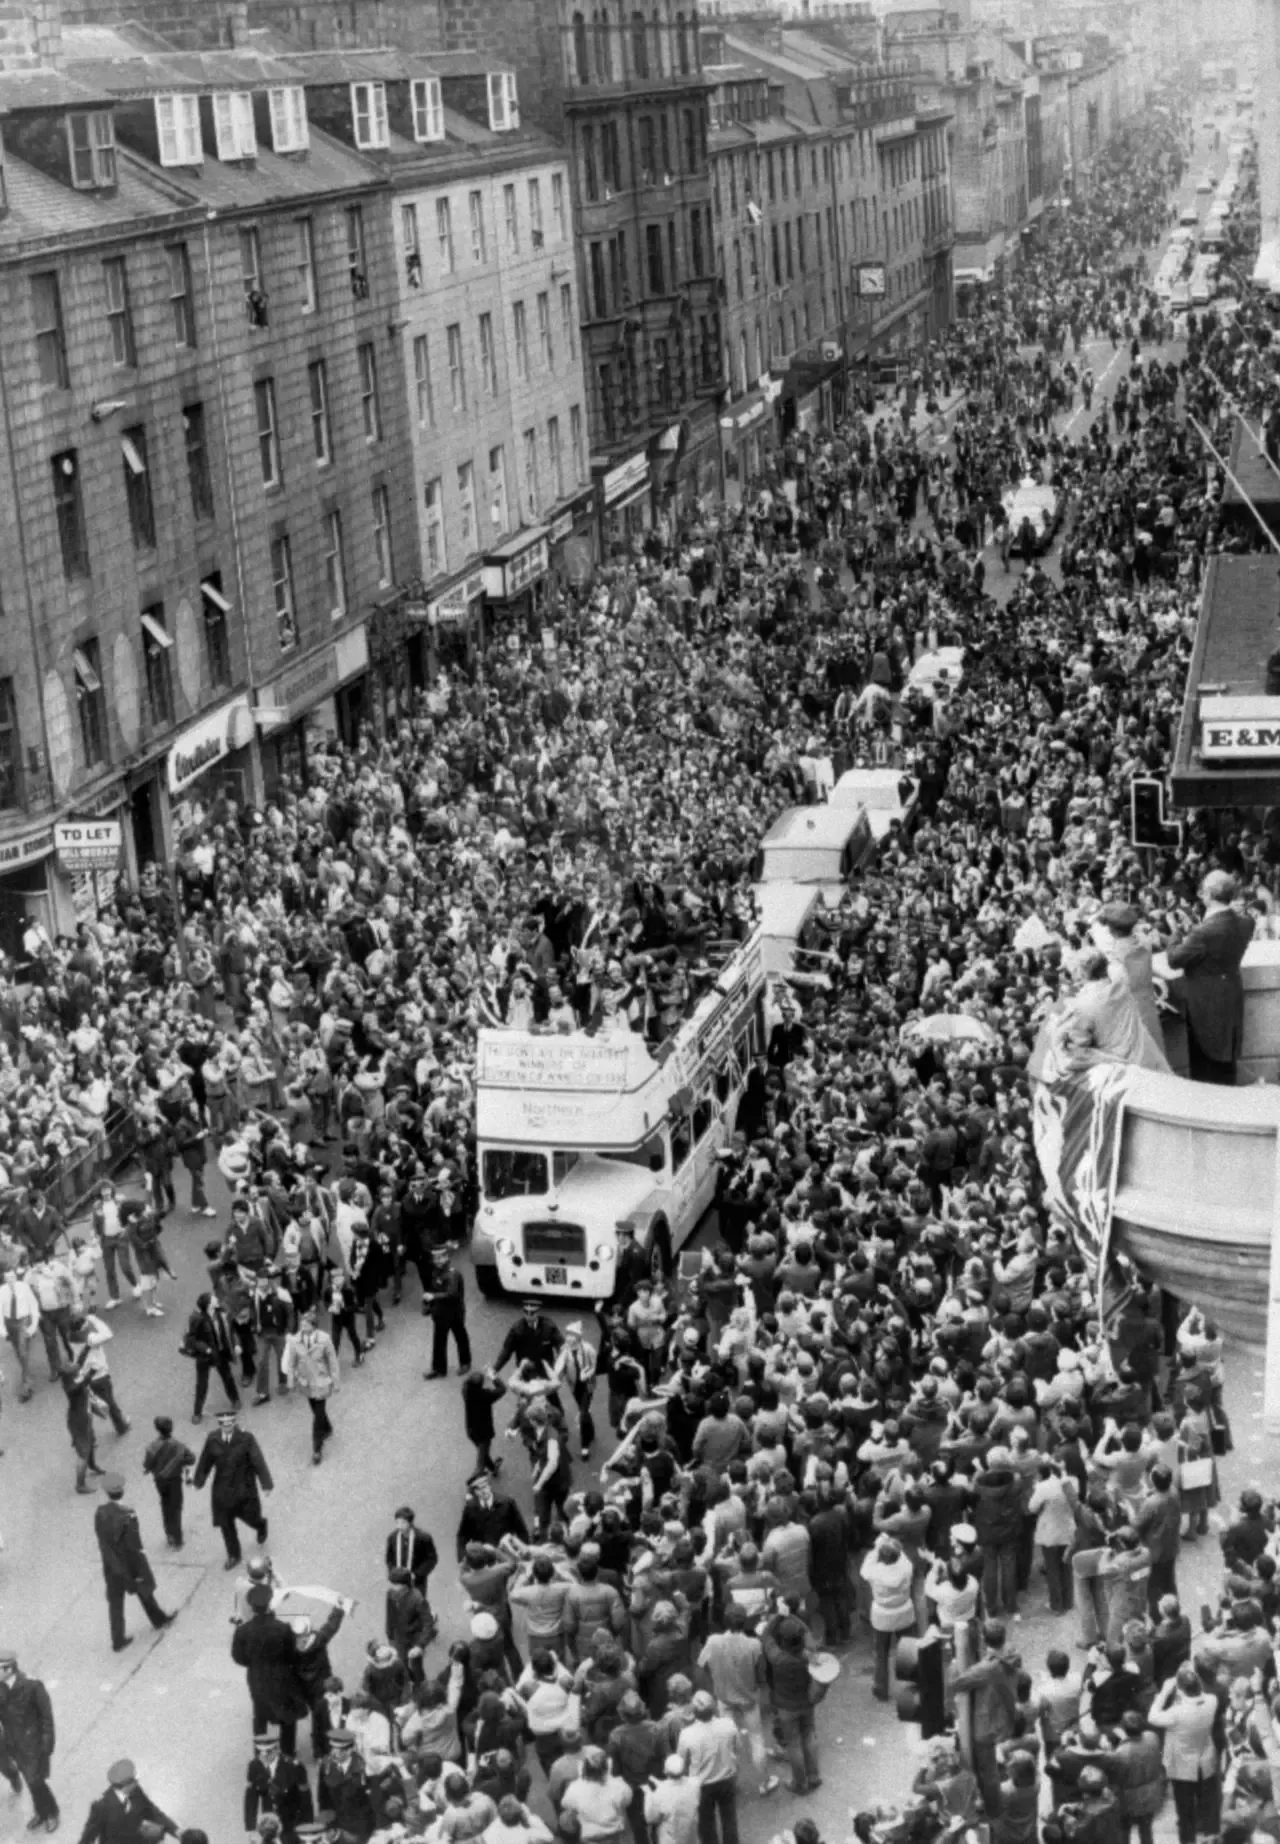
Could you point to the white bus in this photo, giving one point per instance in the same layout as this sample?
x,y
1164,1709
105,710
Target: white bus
x,y
578,1133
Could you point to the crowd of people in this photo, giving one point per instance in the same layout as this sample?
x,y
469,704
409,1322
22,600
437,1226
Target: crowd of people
x,y
890,1388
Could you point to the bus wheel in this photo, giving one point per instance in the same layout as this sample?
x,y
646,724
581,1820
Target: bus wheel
x,y
488,1283
660,1252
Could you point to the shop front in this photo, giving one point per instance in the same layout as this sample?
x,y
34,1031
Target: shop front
x,y
747,436
322,696
685,463
455,627
571,540
211,757
24,886
813,390
625,510
515,576
87,857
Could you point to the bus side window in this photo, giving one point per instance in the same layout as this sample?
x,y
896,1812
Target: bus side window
x,y
681,1141
724,1084
703,1115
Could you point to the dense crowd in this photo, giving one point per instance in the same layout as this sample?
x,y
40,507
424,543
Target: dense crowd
x,y
889,1388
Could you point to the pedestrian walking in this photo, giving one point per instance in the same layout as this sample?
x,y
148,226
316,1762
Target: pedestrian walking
x,y
480,1390
411,1549
311,1365
169,1462
266,1648
210,1342
112,1230
233,1459
20,1314
27,1740
88,1335
125,1567
270,1317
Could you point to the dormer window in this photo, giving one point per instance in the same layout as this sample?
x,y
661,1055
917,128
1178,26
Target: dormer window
x,y
369,114
233,127
289,132
504,110
92,138
178,130
428,109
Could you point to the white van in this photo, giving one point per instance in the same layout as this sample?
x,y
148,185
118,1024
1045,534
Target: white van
x,y
786,915
879,790
816,845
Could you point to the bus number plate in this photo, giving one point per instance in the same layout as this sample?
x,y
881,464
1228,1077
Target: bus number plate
x,y
556,1277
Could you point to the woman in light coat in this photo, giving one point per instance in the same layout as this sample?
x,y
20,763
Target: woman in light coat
x,y
1186,1712
311,1365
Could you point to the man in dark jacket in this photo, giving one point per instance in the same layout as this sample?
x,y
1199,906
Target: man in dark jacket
x,y
1135,1768
412,1549
124,1814
1212,990
532,1337
167,1460
831,1548
488,1516
997,1518
27,1738
267,1648
124,1562
210,1340
447,1303
994,1683
233,1457
1158,1522
277,1783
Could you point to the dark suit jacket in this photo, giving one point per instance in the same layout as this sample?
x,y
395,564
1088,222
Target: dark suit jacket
x,y
124,1561
238,1469
1212,988
414,1550
267,1647
109,1823
26,1723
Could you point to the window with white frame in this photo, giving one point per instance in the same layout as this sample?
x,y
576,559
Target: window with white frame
x,y
370,408
457,372
233,125
335,570
178,130
433,528
307,264
488,357
498,490
264,404
467,503
568,327
530,446
555,456
382,537
544,332
557,205
511,216
504,109
93,148
422,381
479,241
288,108
282,592
318,390
576,443
535,212
369,114
412,250
520,328
444,234
428,109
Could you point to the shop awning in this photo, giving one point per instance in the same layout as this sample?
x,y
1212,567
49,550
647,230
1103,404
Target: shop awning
x,y
513,566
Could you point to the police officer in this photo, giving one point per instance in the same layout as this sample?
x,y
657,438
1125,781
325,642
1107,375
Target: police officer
x,y
124,1562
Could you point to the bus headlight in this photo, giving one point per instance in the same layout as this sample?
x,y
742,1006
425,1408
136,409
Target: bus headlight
x,y
505,1246
603,1251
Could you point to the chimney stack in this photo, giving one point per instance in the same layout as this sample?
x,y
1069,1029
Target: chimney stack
x,y
235,23
30,34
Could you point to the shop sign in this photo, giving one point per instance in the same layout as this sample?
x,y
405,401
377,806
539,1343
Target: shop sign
x,y
208,741
1239,740
510,578
26,847
750,416
351,653
295,691
453,607
87,845
620,481
563,526
772,388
